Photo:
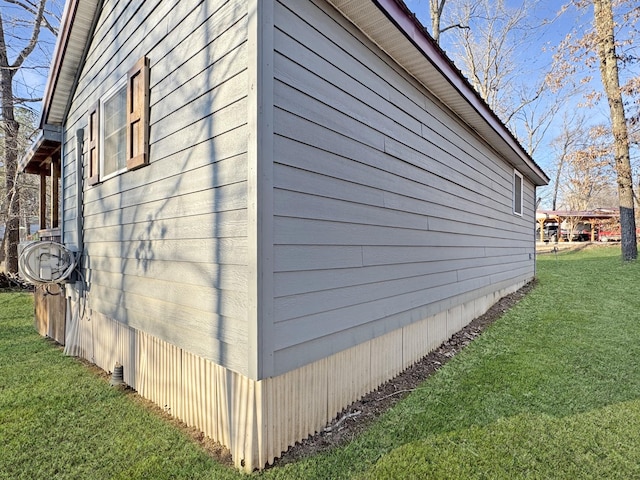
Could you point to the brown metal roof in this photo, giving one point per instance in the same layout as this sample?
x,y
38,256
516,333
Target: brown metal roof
x,y
600,213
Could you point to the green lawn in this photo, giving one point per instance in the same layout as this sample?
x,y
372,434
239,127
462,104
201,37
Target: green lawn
x,y
549,391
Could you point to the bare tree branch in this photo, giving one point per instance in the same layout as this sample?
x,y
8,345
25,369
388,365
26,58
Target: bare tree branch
x,y
26,51
457,25
19,100
33,9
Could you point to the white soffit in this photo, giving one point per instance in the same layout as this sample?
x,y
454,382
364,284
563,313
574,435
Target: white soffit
x,y
394,30
73,39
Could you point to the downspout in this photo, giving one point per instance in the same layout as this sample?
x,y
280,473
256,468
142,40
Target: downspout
x,y
61,201
74,316
535,240
79,196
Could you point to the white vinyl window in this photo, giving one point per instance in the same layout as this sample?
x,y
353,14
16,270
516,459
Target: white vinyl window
x,y
517,193
118,125
113,135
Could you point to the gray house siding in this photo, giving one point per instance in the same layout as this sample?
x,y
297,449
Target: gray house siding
x,y
314,215
165,246
386,209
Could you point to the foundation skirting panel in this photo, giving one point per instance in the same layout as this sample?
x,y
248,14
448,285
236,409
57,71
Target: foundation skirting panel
x,y
258,420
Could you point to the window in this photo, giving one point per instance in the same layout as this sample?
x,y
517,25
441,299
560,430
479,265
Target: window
x,y
113,136
118,126
517,193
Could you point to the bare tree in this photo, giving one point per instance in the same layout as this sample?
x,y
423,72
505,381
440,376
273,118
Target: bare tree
x,y
606,47
589,168
610,47
585,172
487,51
28,186
493,51
21,25
436,11
563,145
533,111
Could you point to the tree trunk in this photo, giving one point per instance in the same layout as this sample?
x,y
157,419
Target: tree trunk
x,y
9,124
556,185
435,11
603,19
10,127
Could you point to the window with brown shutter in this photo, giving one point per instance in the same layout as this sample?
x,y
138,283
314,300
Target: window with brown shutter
x,y
118,126
113,131
137,115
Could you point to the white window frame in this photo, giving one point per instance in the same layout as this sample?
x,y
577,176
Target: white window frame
x,y
518,179
119,85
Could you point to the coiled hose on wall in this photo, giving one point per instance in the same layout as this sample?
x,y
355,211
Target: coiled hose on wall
x,y
46,262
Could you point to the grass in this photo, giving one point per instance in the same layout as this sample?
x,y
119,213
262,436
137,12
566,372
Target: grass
x,y
58,420
552,390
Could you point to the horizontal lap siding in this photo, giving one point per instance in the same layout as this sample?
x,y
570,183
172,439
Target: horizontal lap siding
x,y
387,210
166,245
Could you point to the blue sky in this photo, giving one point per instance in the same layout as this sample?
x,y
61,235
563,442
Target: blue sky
x,y
31,79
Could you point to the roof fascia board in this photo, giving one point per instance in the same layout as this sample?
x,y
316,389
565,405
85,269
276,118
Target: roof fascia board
x,y
68,17
68,35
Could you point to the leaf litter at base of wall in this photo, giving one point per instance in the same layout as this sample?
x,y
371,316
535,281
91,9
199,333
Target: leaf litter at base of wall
x,y
12,282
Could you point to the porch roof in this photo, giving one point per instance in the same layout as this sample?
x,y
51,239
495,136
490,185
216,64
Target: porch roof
x,y
45,148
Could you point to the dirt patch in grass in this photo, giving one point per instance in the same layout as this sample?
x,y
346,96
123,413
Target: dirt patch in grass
x,y
359,415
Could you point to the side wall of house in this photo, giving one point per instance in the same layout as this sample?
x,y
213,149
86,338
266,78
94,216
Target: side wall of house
x,y
165,246
387,209
392,224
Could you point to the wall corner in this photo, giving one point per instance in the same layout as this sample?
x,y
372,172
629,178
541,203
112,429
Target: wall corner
x,y
260,187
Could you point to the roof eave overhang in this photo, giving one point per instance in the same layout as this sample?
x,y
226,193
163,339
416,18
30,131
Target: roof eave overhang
x,y
78,22
391,25
396,30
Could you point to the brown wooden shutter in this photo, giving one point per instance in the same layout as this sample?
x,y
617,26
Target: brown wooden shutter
x,y
94,144
138,115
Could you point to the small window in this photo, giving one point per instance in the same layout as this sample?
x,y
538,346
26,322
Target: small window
x,y
118,126
113,135
517,193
